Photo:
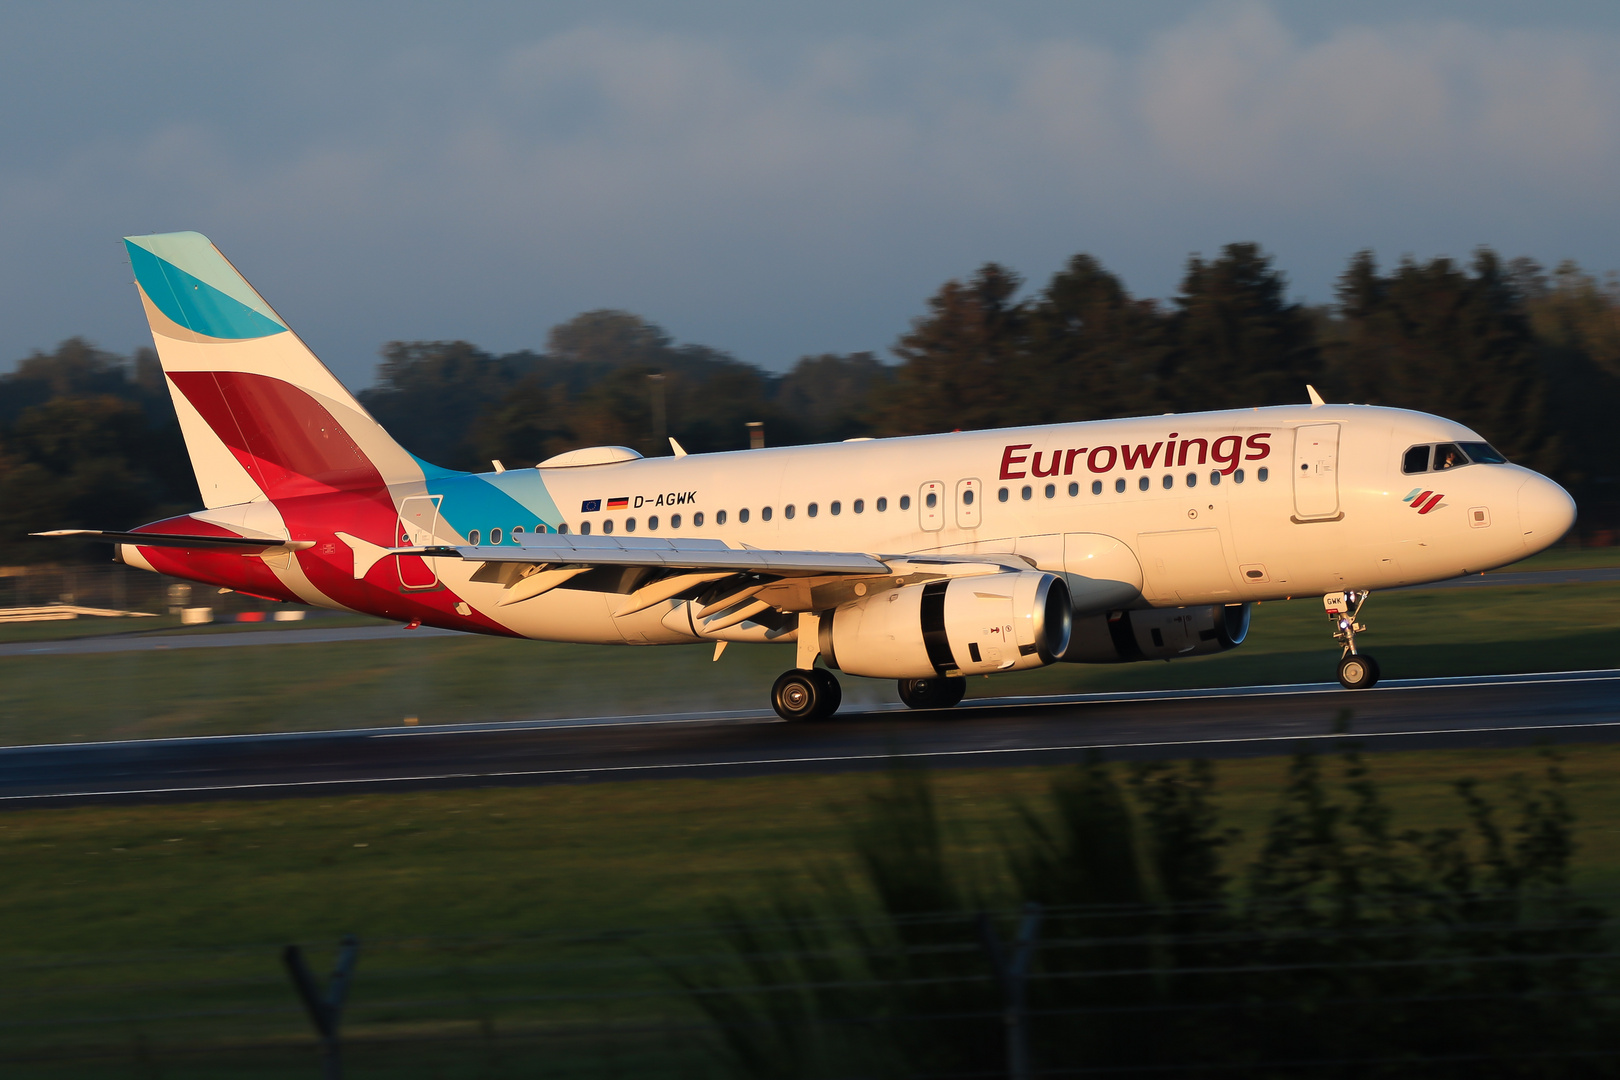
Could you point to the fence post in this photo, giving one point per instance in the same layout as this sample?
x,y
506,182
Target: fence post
x,y
1012,973
325,1010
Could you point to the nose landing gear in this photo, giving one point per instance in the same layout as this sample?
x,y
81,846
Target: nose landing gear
x,y
1357,670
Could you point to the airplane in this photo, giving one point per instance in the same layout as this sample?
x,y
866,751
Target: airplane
x,y
923,559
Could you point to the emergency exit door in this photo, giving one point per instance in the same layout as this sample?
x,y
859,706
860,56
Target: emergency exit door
x,y
1316,472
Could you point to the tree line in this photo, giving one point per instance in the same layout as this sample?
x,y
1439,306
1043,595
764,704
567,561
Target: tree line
x,y
1528,357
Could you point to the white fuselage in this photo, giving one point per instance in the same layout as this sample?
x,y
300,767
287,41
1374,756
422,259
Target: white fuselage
x,y
1289,501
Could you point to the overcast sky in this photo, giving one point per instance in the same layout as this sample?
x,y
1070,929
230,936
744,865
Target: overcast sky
x,y
768,179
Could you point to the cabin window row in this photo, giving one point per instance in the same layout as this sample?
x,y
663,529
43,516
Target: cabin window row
x,y
744,515
1143,483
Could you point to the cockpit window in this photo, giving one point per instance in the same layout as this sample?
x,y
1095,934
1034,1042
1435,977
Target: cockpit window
x,y
1448,456
1482,453
1416,460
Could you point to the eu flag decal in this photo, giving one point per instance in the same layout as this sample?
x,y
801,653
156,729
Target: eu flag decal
x,y
590,506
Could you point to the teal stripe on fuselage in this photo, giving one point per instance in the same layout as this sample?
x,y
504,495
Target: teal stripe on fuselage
x,y
195,304
486,501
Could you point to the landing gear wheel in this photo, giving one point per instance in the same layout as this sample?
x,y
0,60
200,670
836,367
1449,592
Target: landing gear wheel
x,y
832,695
935,693
797,695
1357,671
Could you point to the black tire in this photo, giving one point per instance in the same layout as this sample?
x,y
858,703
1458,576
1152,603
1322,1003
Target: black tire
x,y
935,693
832,695
1358,671
797,695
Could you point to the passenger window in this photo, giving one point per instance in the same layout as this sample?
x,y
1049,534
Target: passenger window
x,y
1028,493
1142,484
584,528
905,502
1169,482
675,520
836,508
607,526
1002,495
1416,460
1237,477
629,524
813,509
765,513
788,511
1074,489
719,518
1119,485
882,504
473,538
742,516
860,506
517,534
1262,474
1214,477
1192,479
1096,487
1051,491
495,536
967,497
563,528
932,500
652,523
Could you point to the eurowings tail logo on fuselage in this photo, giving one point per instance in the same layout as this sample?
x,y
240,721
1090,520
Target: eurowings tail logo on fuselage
x,y
1424,501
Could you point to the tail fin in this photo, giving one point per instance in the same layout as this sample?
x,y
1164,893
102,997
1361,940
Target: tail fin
x,y
262,417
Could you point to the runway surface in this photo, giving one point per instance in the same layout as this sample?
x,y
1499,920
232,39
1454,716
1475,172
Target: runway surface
x,y
1502,710
164,640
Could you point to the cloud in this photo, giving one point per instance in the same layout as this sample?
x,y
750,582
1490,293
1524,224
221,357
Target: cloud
x,y
802,193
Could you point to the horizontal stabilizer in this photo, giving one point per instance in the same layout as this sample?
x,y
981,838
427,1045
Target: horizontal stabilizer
x,y
177,540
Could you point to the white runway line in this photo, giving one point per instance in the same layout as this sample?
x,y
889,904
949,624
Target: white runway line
x,y
1544,678
742,716
827,759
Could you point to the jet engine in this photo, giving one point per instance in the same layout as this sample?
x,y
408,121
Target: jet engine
x,y
959,626
1157,634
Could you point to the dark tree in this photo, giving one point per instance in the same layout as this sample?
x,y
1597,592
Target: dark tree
x,y
1238,341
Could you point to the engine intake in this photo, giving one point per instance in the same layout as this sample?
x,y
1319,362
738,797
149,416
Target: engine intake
x,y
1158,634
967,625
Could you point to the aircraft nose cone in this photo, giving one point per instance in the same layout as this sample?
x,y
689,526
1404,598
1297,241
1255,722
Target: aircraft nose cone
x,y
1545,512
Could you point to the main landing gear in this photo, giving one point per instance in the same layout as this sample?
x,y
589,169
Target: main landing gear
x,y
936,693
806,694
1357,670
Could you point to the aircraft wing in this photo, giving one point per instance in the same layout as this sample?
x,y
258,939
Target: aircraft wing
x,y
726,576
672,554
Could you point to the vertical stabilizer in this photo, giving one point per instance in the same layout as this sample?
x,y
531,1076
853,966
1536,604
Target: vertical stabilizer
x,y
262,417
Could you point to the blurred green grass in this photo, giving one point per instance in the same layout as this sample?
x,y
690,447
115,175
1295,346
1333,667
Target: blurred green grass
x,y
533,912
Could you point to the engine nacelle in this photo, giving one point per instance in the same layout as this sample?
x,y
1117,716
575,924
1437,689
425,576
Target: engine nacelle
x,y
1158,634
966,625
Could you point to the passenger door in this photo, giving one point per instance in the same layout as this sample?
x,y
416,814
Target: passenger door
x,y
1316,472
418,522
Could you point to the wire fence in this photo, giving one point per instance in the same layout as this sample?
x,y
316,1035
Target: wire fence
x,y
643,1002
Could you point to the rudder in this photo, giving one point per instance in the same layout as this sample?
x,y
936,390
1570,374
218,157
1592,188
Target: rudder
x,y
261,415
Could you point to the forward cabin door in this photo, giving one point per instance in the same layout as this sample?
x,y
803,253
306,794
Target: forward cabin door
x,y
1316,472
418,522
